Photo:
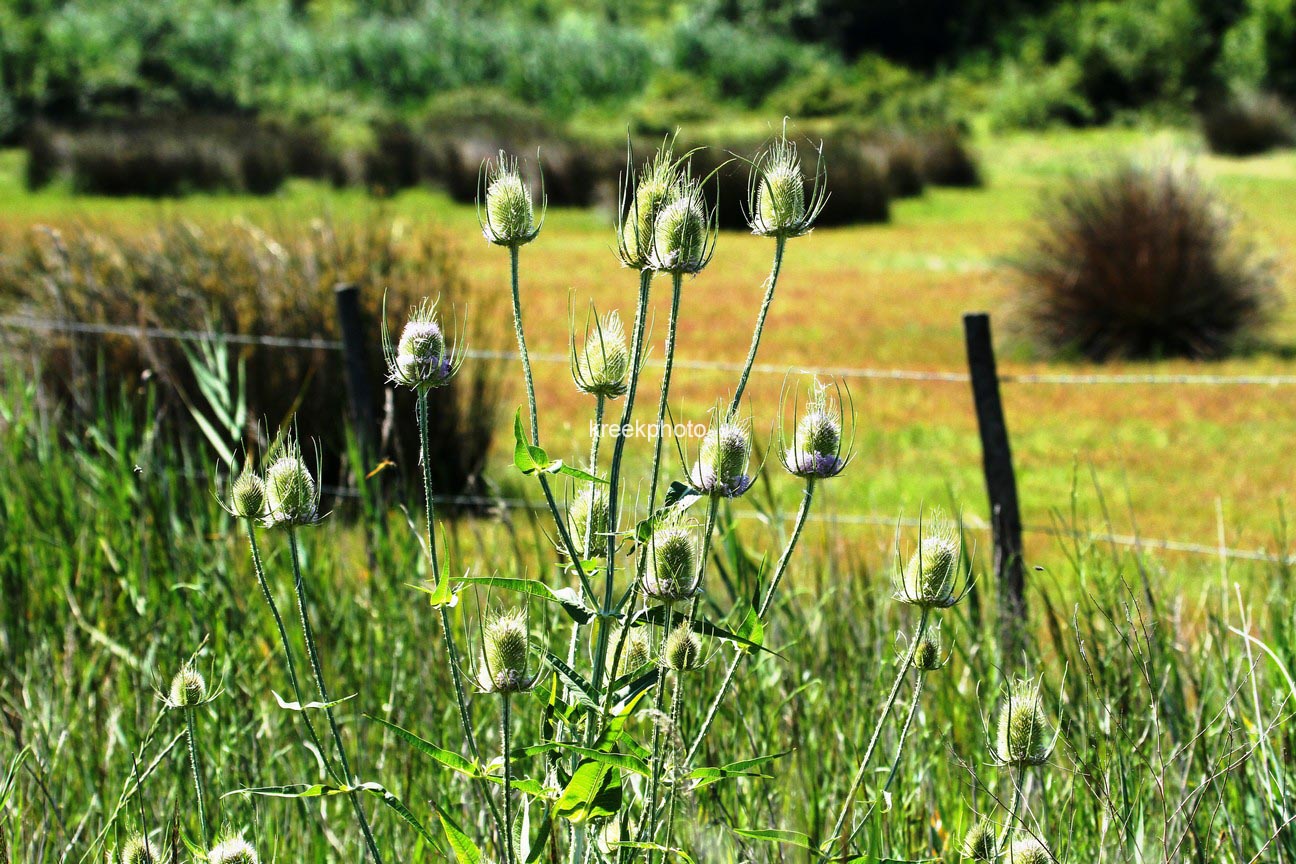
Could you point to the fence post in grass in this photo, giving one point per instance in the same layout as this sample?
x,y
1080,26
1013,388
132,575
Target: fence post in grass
x,y
351,326
1001,484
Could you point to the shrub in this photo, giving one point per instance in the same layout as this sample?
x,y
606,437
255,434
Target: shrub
x,y
900,157
1143,262
1247,124
239,278
947,161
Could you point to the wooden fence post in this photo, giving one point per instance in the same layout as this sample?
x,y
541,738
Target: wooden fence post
x,y
1001,484
354,342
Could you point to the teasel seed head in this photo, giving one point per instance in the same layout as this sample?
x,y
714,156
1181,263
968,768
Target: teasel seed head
x,y
506,654
777,204
637,652
816,449
589,514
723,459
421,359
140,850
508,217
188,688
1025,736
927,653
655,187
247,496
683,236
291,495
1028,850
931,578
672,573
981,844
232,850
602,364
683,649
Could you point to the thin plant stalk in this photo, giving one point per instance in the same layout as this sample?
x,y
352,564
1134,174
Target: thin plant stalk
x,y
646,829
289,663
587,542
770,283
672,330
452,650
197,774
895,761
780,569
316,668
860,774
671,796
506,733
1019,783
522,347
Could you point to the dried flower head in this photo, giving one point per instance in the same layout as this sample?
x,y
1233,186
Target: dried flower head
x,y
683,649
1025,736
816,448
931,578
506,654
232,850
683,235
140,850
247,495
1028,850
589,514
981,844
776,200
508,217
291,495
927,653
672,573
637,652
723,459
654,188
188,688
421,358
602,364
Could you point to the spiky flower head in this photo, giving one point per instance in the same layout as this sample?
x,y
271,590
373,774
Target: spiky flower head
x,y
1028,850
506,652
723,459
777,201
682,235
508,218
655,188
600,367
683,649
1025,736
672,573
421,359
927,653
140,850
589,514
188,688
816,446
981,844
291,495
247,496
930,579
232,850
637,651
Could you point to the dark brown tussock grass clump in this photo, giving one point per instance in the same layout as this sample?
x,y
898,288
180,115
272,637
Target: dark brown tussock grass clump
x,y
240,278
1143,262
1249,124
948,161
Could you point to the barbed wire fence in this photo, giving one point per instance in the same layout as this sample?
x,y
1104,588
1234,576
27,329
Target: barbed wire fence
x,y
1218,550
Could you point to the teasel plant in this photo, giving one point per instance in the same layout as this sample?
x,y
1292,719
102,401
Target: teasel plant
x,y
1024,739
935,578
187,694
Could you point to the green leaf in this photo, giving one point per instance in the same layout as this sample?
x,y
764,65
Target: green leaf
x,y
309,706
657,615
594,792
751,628
530,459
567,598
522,457
449,759
667,852
292,790
773,835
465,850
679,497
573,679
399,807
744,768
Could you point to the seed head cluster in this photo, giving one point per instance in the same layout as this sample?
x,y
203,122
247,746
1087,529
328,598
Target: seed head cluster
x,y
1028,850
1025,736
723,459
248,496
140,850
421,359
637,652
589,514
602,364
930,579
683,649
927,653
981,843
232,850
682,232
816,446
656,187
506,652
188,688
672,573
509,218
291,495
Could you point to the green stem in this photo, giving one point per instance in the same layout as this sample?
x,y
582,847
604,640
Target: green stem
x,y
197,775
895,761
507,735
670,790
672,329
289,663
522,348
646,829
877,730
801,518
452,650
1019,783
770,284
316,668
588,541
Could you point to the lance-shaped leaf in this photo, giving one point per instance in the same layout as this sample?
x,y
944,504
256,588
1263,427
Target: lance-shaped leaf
x,y
657,615
594,792
309,706
567,598
531,460
448,758
679,498
745,768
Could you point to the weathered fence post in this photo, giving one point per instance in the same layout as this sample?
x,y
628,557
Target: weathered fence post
x,y
1001,484
354,342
